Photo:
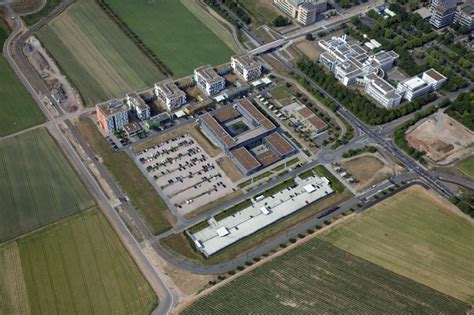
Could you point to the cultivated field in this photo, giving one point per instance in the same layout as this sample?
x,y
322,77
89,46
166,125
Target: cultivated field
x,y
467,166
442,138
77,266
320,278
415,235
177,37
18,111
99,59
37,185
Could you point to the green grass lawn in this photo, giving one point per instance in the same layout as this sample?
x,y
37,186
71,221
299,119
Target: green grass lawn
x,y
95,54
77,266
282,91
177,37
416,236
467,166
37,185
142,194
318,278
262,10
18,111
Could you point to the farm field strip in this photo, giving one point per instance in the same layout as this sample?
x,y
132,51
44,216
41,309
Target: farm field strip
x,y
414,235
37,185
79,266
100,60
177,37
320,278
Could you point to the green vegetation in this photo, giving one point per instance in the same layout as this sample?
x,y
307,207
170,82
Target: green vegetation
x,y
35,17
353,100
262,11
37,185
228,212
141,193
322,171
282,91
275,189
273,171
467,166
320,278
417,236
462,109
280,21
77,266
354,152
95,54
237,9
167,28
18,111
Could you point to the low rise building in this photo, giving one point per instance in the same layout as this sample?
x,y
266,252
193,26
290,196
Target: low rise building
x,y
303,11
112,116
247,67
465,16
428,81
170,94
382,91
137,105
208,80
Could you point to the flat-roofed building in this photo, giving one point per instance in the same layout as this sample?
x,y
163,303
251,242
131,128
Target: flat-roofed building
x,y
138,106
247,67
465,16
303,11
112,115
382,91
428,81
442,12
245,161
208,80
278,144
169,92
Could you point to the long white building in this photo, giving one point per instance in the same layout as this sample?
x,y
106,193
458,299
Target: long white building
x,y
428,81
303,11
382,91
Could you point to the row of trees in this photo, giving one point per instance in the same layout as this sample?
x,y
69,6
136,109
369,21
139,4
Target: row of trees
x,y
354,101
280,21
238,10
462,109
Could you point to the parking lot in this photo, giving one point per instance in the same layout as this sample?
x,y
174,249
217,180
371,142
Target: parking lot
x,y
188,176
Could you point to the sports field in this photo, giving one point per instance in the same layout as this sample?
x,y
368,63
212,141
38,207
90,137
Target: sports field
x,y
37,185
467,166
178,38
318,278
18,111
415,235
77,266
99,59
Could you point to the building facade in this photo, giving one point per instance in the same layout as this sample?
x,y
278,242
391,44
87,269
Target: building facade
x,y
208,80
170,94
137,105
246,67
382,91
112,116
303,11
442,12
465,17
428,81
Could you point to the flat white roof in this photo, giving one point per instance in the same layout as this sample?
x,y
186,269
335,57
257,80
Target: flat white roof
x,y
261,214
309,188
414,83
266,80
219,98
180,114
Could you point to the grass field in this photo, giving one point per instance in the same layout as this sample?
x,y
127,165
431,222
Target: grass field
x,y
416,236
467,166
98,58
18,111
263,11
318,278
37,185
143,196
77,266
176,35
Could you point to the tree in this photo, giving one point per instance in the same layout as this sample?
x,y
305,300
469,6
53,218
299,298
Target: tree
x,y
280,21
309,37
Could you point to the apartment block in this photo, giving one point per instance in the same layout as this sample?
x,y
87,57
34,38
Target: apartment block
x,y
442,12
112,115
465,16
208,80
247,67
137,105
428,81
303,11
168,92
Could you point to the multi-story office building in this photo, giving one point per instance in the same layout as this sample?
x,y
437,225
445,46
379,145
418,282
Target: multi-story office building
x,y
168,92
303,11
442,12
208,80
420,85
465,16
137,105
112,115
247,67
382,91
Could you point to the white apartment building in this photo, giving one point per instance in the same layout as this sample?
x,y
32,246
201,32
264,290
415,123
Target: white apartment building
x,y
112,116
247,67
465,16
168,92
208,80
442,12
430,80
303,11
382,91
137,105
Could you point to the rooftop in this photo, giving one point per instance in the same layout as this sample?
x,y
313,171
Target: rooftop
x,y
245,158
247,61
279,143
209,74
138,101
112,107
218,130
170,88
256,114
317,122
435,75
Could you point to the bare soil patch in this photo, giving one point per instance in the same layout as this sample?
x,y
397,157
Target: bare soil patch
x,y
229,168
309,49
367,170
